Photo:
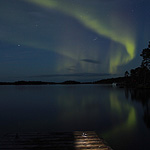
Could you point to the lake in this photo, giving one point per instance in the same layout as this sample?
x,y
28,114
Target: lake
x,y
120,116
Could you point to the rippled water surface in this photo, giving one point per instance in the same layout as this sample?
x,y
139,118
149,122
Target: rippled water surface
x,y
121,117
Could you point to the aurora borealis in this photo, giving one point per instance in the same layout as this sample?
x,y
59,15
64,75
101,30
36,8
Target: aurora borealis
x,y
41,39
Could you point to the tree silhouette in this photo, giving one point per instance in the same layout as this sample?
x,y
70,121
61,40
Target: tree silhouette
x,y
146,57
126,74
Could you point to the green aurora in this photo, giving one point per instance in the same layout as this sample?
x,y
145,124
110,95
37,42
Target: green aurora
x,y
110,28
73,36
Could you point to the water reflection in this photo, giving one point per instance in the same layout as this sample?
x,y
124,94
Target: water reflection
x,y
125,116
82,107
111,112
141,96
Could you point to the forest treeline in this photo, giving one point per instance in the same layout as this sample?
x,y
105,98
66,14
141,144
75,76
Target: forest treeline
x,y
138,77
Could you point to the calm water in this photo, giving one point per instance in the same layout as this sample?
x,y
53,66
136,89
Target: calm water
x,y
121,117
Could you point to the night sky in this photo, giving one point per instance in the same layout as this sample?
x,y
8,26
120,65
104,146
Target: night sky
x,y
83,40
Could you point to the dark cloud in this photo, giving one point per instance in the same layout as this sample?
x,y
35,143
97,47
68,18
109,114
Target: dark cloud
x,y
71,68
91,61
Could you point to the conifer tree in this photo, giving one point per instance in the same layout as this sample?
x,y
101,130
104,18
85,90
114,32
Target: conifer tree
x,y
146,57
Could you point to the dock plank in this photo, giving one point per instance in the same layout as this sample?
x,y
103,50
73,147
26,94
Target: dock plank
x,y
78,140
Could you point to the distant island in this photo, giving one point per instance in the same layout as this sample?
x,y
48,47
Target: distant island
x,y
119,81
103,81
37,83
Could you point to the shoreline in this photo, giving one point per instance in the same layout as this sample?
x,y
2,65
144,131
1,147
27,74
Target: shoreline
x,y
120,82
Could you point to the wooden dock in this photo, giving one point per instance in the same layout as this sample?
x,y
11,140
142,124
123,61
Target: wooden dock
x,y
78,140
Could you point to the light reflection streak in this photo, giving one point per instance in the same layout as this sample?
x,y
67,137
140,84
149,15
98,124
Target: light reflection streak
x,y
129,125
